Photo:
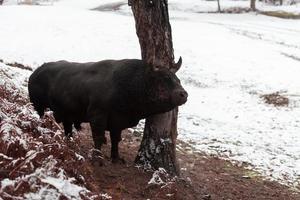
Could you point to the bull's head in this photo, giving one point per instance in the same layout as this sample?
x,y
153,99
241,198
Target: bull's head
x,y
165,87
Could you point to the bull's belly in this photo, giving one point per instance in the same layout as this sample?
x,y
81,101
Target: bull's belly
x,y
121,122
65,114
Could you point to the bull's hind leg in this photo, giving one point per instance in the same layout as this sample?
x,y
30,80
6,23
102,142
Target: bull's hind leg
x,y
38,99
115,137
67,128
77,125
40,111
57,117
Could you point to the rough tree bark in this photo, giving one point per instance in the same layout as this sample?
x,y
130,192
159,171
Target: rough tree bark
x,y
219,6
252,5
158,146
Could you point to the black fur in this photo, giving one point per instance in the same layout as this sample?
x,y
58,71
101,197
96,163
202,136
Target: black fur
x,y
111,95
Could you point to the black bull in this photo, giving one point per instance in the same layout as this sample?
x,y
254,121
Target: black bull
x,y
111,95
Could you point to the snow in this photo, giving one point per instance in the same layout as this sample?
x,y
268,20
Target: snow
x,y
64,186
156,179
212,6
225,114
229,61
162,178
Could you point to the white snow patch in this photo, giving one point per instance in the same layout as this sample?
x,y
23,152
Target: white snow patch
x,y
156,179
64,186
6,182
79,157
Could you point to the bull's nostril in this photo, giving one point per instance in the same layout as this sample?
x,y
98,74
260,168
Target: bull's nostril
x,y
183,94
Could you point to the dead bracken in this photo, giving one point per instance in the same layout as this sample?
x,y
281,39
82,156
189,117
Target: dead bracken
x,y
275,99
17,65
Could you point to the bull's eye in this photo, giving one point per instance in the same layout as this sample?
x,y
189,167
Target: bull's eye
x,y
156,68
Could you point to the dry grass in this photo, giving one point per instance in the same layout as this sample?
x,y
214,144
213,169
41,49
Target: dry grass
x,y
281,14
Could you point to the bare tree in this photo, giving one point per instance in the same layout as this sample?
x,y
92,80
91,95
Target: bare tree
x,y
219,6
281,2
158,146
252,5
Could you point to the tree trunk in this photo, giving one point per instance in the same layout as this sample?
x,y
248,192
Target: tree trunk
x,y
219,6
281,2
252,5
158,146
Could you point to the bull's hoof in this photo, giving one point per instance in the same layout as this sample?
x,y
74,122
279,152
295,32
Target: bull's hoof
x,y
78,127
104,140
96,157
96,153
118,161
69,136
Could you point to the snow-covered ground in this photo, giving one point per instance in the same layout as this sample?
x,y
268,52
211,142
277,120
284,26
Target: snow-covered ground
x,y
229,61
212,6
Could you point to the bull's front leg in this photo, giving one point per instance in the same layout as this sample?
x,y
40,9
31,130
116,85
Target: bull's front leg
x,y
98,125
115,137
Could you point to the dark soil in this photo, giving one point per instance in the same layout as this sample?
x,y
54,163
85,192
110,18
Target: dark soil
x,y
275,99
202,177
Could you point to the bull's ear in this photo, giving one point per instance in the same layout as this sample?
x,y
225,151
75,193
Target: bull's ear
x,y
176,66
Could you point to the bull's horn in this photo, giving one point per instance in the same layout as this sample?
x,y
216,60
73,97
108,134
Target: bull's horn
x,y
177,66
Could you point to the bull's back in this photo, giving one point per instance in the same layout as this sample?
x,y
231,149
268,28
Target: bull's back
x,y
78,85
71,88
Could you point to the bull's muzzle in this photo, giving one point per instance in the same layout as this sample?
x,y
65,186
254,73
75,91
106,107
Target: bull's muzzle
x,y
180,97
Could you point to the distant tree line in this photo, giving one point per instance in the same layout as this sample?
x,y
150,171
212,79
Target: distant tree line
x,y
253,3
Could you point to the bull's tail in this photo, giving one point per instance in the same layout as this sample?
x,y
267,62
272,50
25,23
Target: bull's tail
x,y
34,94
38,96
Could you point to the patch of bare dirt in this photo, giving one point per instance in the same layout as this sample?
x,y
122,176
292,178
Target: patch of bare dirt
x,y
202,177
236,10
275,99
17,65
230,10
281,14
110,6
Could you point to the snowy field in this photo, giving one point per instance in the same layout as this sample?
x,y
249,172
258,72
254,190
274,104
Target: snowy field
x,y
229,61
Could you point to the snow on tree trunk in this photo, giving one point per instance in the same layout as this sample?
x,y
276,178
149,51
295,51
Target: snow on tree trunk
x,y
158,146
